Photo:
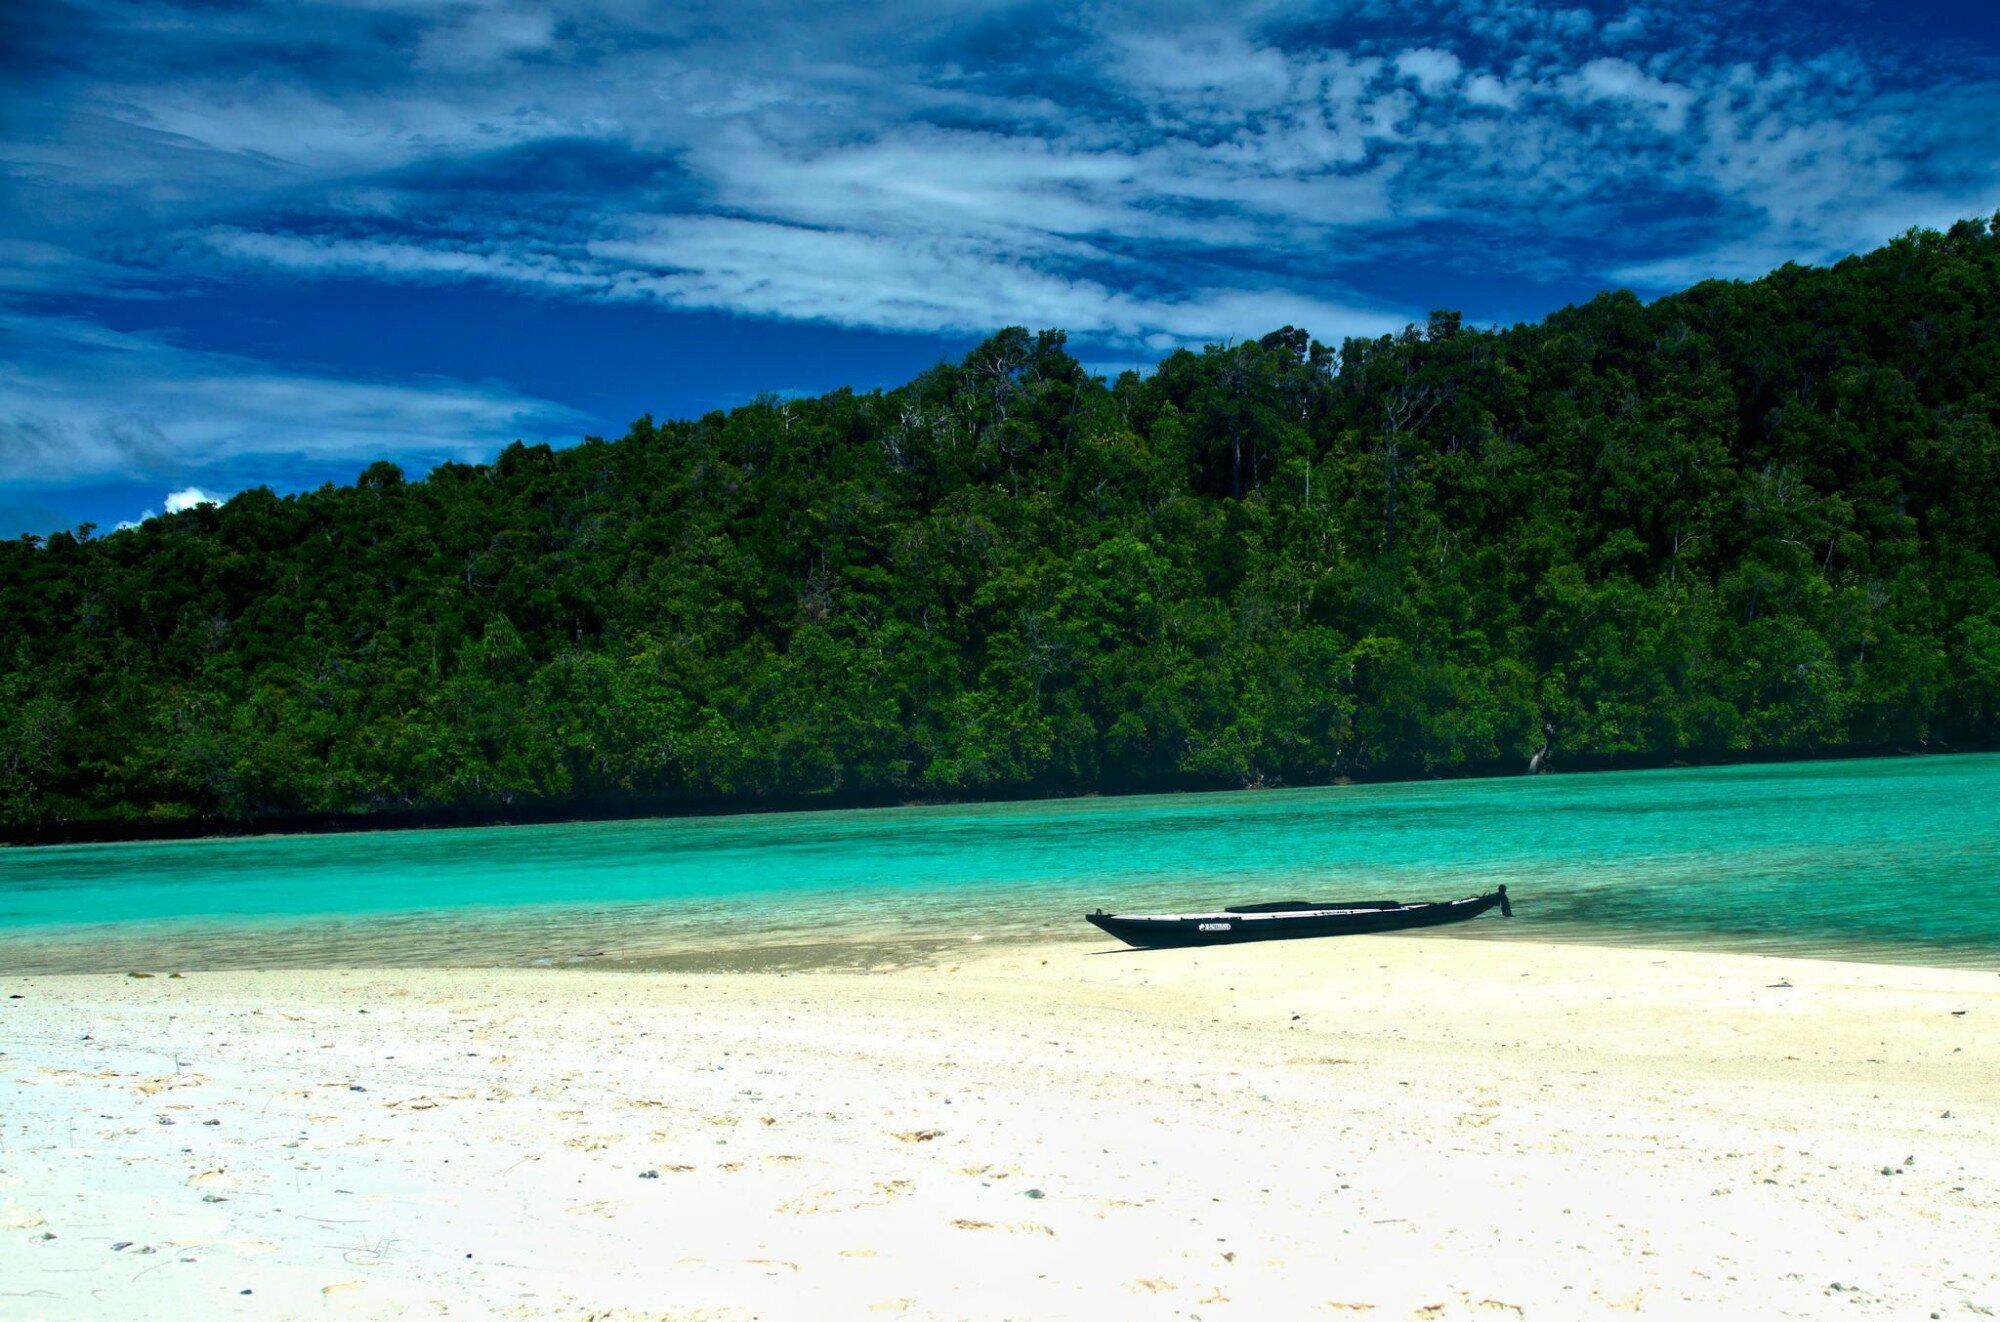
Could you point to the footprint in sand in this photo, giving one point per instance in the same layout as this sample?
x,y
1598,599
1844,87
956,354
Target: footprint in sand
x,y
70,1078
427,1101
592,1142
991,1172
160,1083
834,1200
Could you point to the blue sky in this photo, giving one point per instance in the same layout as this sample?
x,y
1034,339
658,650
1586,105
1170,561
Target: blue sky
x,y
267,243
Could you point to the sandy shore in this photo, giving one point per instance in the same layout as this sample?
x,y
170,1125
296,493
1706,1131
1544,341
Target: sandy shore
x,y
1372,1127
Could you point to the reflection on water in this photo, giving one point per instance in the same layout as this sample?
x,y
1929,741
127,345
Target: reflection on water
x,y
1894,859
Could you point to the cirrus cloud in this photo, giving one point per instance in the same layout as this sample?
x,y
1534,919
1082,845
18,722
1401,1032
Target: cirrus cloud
x,y
1175,164
1144,176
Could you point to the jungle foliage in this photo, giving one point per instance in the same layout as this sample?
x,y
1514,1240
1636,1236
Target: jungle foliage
x,y
1751,516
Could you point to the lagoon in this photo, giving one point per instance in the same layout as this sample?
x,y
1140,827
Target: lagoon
x,y
1884,859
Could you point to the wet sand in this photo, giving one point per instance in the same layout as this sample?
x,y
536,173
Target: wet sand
x,y
1394,1127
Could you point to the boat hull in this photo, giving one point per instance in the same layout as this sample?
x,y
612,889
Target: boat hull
x,y
1235,926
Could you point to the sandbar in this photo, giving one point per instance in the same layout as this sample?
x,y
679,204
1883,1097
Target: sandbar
x,y
1379,1127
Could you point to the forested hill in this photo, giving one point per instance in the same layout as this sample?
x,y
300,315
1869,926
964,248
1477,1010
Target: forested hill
x,y
1753,516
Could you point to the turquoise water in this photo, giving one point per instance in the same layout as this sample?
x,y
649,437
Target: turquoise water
x,y
1885,859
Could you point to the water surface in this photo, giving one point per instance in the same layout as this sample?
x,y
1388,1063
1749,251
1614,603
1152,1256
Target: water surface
x,y
1895,859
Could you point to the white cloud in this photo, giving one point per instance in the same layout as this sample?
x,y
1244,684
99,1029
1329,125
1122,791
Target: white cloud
x,y
189,497
1612,79
913,283
1429,68
508,263
487,34
1631,25
1217,73
1486,90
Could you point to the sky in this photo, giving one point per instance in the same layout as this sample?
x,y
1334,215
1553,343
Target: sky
x,y
247,243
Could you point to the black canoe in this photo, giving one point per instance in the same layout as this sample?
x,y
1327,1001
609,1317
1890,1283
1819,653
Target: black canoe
x,y
1290,918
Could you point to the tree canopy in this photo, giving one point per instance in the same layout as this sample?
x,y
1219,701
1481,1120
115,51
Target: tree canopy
x,y
1753,516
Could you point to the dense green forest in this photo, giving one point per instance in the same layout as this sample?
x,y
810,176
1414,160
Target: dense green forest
x,y
1751,517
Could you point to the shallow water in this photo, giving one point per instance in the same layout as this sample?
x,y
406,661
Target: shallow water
x,y
1894,859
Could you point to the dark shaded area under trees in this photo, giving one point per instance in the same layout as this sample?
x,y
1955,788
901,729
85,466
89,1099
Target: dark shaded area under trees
x,y
1751,517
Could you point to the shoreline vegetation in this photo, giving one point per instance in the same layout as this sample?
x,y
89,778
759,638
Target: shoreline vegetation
x,y
1750,520
119,830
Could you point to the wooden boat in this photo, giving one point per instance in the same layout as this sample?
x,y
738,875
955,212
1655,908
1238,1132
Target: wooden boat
x,y
1281,919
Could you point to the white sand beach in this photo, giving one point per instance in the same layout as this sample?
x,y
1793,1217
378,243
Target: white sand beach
x,y
1388,1127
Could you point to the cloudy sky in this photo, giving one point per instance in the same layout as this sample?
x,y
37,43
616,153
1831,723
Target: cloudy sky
x,y
247,242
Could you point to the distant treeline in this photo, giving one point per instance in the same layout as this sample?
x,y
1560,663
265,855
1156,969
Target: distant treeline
x,y
1757,515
